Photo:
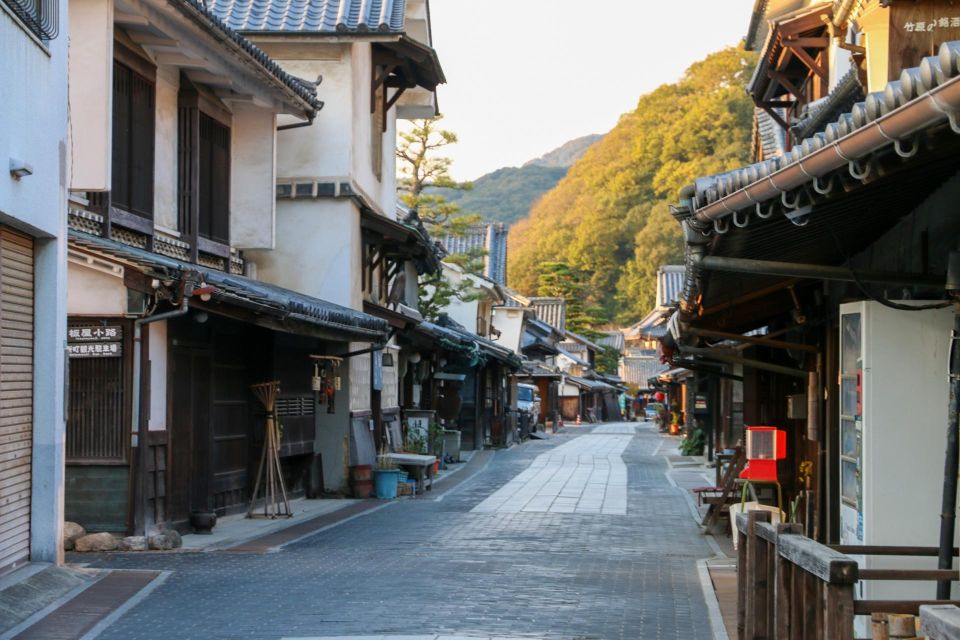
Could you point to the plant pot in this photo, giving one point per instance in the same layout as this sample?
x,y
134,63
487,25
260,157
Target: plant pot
x,y
203,521
362,488
361,473
385,482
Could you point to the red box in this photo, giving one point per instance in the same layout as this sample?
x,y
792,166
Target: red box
x,y
765,445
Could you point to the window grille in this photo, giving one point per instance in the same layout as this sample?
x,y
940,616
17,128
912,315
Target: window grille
x,y
42,17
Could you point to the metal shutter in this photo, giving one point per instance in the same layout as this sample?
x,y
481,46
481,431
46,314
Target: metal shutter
x,y
16,395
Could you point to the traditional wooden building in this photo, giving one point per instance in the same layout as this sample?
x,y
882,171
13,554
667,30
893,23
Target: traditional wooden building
x,y
169,322
822,280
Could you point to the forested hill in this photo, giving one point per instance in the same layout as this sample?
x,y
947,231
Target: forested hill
x,y
507,194
608,217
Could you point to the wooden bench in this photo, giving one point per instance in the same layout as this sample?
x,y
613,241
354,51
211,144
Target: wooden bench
x,y
420,465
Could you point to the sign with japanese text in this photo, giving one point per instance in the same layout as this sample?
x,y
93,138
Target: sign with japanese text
x,y
105,341
917,29
95,349
106,333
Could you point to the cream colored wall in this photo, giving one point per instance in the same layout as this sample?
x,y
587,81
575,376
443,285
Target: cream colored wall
x,y
317,250
875,23
324,149
509,322
91,292
252,177
91,78
158,376
165,149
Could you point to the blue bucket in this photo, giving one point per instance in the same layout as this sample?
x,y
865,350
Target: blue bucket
x,y
385,483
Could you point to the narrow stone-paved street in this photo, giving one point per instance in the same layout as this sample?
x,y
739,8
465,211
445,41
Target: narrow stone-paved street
x,y
440,565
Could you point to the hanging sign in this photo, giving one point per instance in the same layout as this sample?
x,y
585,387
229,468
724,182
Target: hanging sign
x,y
95,342
377,366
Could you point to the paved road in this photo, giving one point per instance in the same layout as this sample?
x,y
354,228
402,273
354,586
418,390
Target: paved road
x,y
424,567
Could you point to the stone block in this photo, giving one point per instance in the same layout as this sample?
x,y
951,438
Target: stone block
x,y
72,531
133,543
95,542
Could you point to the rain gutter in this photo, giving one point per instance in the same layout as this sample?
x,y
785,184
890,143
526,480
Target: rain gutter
x,y
937,104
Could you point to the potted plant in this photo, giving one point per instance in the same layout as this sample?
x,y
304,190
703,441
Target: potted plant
x,y
386,477
435,436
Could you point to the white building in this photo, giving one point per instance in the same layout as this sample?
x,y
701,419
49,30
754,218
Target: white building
x,y
34,147
373,63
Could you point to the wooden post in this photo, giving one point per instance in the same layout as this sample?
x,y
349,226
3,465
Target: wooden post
x,y
756,578
780,628
741,577
838,603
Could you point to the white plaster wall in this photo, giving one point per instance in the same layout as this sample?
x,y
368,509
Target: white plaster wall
x,y
157,342
33,113
384,191
840,61
165,149
91,84
509,322
317,251
94,293
411,288
252,177
323,149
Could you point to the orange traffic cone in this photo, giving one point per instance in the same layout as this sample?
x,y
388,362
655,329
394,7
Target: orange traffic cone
x,y
578,419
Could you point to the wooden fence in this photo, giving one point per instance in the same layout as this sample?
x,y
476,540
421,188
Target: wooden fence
x,y
790,587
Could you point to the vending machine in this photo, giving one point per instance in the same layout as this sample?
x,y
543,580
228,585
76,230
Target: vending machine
x,y
894,389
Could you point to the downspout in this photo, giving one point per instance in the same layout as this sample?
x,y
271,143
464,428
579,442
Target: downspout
x,y
136,426
296,125
948,509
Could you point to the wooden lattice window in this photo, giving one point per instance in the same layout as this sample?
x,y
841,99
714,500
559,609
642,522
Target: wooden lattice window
x,y
133,140
99,405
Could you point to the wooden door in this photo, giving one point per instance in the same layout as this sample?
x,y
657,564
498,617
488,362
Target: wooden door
x,y
189,385
16,396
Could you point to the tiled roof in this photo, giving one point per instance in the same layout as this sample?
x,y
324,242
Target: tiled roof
x,y
314,16
553,311
913,84
210,18
669,284
260,297
638,370
820,112
613,340
771,139
491,239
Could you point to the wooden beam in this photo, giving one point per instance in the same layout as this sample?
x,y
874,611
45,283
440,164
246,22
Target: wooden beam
x,y
810,63
787,83
747,297
757,340
817,43
776,117
130,19
393,99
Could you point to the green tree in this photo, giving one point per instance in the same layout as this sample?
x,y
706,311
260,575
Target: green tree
x,y
607,218
422,170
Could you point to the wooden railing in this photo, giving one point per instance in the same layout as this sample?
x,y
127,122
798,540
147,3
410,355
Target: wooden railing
x,y
790,587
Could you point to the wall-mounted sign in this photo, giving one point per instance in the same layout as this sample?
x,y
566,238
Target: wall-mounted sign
x,y
95,350
95,342
700,402
107,333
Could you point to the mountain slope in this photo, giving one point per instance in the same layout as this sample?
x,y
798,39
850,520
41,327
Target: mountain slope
x,y
566,154
507,194
608,217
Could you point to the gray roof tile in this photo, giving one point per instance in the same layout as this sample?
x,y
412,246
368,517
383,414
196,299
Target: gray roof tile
x,y
319,16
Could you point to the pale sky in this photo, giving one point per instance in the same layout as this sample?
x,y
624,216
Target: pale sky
x,y
525,76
